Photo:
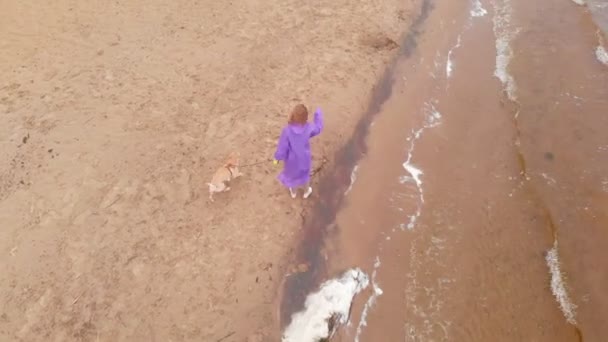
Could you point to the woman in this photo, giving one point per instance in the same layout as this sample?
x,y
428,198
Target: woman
x,y
294,150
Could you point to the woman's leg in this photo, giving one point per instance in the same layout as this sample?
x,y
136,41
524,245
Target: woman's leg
x,y
307,190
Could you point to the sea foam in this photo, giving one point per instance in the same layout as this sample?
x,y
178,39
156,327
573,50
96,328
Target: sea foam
x,y
601,54
558,285
449,65
326,308
478,10
504,35
377,291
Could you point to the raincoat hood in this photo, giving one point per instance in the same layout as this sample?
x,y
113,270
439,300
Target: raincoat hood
x,y
297,129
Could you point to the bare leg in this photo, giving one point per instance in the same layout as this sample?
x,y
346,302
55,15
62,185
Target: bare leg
x,y
308,190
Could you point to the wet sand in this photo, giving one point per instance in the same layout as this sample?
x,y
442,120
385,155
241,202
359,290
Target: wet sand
x,y
478,209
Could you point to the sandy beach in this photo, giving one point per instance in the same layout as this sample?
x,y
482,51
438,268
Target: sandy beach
x,y
114,116
460,189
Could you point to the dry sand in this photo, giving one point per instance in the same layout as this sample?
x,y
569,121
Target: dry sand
x,y
114,116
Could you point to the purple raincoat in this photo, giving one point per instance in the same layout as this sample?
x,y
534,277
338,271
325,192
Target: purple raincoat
x,y
294,150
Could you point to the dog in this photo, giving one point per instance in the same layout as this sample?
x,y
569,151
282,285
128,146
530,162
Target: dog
x,y
222,177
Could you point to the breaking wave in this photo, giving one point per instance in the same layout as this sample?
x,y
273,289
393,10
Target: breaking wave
x,y
326,309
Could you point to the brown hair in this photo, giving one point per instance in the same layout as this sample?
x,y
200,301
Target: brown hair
x,y
299,115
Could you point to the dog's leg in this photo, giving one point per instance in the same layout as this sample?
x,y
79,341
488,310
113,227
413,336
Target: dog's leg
x,y
211,191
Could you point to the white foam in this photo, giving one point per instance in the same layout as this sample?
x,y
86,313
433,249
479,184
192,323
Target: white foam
x,y
370,301
353,178
558,285
413,219
449,65
504,35
601,54
503,57
414,172
432,119
478,10
333,299
579,2
405,179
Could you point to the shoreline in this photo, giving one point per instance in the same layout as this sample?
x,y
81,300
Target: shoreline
x,y
320,219
470,270
116,115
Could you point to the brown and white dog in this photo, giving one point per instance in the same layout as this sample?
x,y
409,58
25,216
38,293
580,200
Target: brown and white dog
x,y
222,177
